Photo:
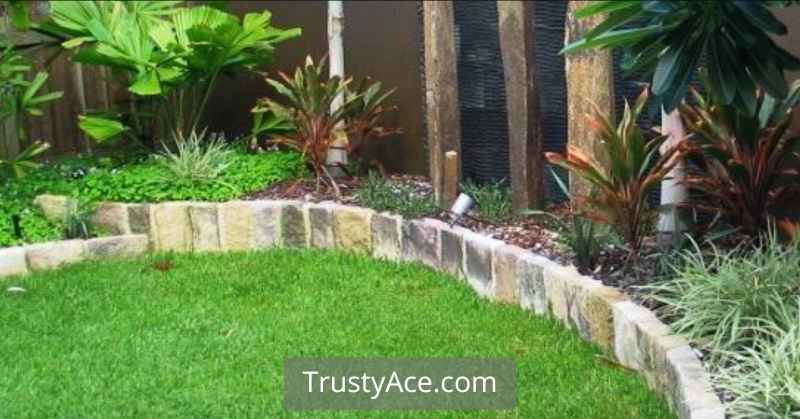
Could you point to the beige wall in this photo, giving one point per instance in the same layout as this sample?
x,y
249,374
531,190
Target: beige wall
x,y
381,39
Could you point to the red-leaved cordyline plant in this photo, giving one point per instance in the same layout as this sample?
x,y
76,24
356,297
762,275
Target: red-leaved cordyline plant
x,y
364,117
634,168
745,166
309,96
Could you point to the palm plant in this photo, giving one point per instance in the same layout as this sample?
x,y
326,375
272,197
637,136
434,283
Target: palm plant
x,y
634,169
168,55
20,97
746,165
309,96
666,38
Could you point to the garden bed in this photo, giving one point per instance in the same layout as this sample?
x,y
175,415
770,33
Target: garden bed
x,y
90,180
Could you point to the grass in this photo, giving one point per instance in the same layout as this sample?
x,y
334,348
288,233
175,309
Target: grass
x,y
206,337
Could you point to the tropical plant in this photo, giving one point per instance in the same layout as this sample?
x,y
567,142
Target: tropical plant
x,y
309,96
169,56
493,199
20,97
765,379
365,115
666,38
634,168
197,159
582,236
745,165
729,300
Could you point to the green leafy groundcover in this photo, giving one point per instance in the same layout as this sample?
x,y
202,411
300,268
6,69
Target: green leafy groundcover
x,y
140,180
206,336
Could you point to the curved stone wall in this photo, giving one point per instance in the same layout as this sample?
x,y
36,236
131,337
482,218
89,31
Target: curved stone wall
x,y
496,271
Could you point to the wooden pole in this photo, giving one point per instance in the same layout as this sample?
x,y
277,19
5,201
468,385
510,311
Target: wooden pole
x,y
451,178
590,79
441,91
517,43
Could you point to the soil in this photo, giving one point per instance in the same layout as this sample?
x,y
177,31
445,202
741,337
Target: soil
x,y
534,233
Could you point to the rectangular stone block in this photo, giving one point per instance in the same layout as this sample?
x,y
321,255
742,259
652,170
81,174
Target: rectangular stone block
x,y
112,218
319,218
505,273
387,236
565,289
421,241
139,218
266,223
531,283
12,262
478,256
353,228
596,319
693,392
131,245
236,226
46,256
634,326
293,225
204,218
171,227
452,245
54,207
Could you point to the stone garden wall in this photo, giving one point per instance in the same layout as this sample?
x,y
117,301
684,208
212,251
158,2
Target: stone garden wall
x,y
629,333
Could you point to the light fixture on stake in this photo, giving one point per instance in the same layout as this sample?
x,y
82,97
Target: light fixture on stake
x,y
463,204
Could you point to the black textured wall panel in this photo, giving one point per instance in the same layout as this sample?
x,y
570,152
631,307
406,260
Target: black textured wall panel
x,y
484,127
484,124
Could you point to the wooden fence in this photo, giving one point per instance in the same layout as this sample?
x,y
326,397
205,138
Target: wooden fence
x,y
84,88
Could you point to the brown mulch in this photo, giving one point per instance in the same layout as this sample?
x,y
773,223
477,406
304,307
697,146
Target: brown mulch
x,y
532,233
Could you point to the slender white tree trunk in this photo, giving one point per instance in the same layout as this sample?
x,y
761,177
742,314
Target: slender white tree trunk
x,y
337,155
673,191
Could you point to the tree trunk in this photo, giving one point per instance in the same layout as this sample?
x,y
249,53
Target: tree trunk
x,y
517,42
590,79
337,154
441,93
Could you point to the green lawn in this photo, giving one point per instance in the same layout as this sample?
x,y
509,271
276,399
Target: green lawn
x,y
207,338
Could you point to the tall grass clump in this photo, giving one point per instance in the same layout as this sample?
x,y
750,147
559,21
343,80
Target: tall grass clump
x,y
765,379
730,301
197,158
493,200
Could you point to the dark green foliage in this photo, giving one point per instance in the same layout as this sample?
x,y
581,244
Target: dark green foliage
x,y
152,182
205,336
493,200
381,194
666,38
135,179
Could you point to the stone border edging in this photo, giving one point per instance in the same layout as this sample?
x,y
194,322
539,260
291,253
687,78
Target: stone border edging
x,y
632,334
39,257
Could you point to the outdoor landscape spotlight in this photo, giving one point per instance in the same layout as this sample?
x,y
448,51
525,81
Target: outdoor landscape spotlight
x,y
463,203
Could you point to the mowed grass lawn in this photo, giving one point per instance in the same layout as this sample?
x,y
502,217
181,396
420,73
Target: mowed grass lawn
x,y
207,337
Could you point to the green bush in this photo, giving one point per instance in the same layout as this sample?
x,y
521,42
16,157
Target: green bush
x,y
730,301
134,179
492,199
765,381
151,181
380,194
